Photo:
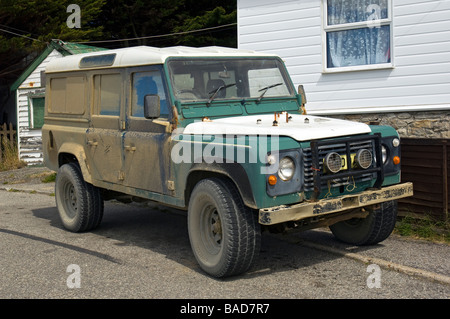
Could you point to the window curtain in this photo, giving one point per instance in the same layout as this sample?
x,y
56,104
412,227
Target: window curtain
x,y
359,46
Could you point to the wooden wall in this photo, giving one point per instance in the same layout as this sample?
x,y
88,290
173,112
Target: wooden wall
x,y
426,163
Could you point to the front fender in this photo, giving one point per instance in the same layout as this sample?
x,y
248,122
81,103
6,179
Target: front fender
x,y
234,171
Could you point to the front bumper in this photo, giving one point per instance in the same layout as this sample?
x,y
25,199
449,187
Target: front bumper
x,y
285,213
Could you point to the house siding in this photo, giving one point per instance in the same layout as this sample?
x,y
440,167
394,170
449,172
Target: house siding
x,y
29,139
419,80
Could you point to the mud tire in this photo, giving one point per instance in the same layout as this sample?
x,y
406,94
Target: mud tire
x,y
375,228
225,235
80,204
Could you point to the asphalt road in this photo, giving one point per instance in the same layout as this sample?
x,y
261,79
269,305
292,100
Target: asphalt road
x,y
144,253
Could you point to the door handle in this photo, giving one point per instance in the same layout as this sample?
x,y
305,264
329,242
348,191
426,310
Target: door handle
x,y
130,148
92,143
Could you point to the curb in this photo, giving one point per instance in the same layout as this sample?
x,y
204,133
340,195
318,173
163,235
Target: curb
x,y
30,188
372,260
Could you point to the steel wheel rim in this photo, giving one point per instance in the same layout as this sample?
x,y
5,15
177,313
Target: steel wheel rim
x,y
70,200
211,229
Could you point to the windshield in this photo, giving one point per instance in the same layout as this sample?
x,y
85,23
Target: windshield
x,y
218,79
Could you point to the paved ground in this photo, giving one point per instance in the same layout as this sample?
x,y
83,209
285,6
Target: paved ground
x,y
142,252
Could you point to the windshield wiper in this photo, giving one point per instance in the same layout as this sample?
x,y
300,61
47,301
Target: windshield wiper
x,y
265,90
216,91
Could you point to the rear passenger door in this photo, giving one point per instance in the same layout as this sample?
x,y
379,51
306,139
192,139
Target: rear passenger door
x,y
146,150
104,136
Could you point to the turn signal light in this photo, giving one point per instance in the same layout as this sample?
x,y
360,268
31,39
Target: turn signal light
x,y
272,180
396,160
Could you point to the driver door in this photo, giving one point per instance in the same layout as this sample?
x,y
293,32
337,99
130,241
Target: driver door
x,y
146,149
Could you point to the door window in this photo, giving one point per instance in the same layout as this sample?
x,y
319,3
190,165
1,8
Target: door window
x,y
144,83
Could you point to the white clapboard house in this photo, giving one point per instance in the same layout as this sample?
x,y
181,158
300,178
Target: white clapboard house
x,y
357,56
29,91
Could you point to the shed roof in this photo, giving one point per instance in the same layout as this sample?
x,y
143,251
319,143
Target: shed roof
x,y
65,48
145,55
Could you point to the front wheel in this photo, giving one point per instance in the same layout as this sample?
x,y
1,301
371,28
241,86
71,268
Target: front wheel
x,y
224,234
376,227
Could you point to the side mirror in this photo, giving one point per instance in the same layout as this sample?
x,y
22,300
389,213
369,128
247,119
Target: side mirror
x,y
301,91
151,106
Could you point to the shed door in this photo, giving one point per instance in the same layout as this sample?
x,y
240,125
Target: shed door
x,y
37,112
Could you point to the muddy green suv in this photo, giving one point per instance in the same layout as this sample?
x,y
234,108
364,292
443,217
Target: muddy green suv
x,y
221,133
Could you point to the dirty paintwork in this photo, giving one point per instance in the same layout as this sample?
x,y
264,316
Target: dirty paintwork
x,y
227,122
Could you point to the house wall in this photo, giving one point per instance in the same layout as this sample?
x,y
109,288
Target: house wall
x,y
30,140
418,82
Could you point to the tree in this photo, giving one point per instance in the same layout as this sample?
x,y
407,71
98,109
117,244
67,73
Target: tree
x,y
28,25
125,19
214,36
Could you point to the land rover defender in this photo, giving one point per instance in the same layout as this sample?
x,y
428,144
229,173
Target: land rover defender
x,y
222,134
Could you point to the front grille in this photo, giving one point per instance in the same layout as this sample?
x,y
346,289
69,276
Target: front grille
x,y
342,147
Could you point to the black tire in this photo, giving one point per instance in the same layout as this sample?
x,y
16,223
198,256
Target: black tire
x,y
375,228
80,204
225,235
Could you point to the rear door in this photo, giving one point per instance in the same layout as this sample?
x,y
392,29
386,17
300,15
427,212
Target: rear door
x,y
104,136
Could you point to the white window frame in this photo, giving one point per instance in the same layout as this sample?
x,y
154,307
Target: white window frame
x,y
350,26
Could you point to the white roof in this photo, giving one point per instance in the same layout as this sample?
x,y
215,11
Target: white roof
x,y
144,55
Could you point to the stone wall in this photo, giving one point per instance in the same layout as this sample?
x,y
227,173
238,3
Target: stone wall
x,y
433,124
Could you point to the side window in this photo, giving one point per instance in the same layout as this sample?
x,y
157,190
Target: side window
x,y
107,88
148,82
68,95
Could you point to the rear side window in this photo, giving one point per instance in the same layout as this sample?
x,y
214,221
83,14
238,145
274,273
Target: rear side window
x,y
68,95
107,88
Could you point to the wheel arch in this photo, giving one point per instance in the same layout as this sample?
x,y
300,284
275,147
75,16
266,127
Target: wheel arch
x,y
74,153
233,172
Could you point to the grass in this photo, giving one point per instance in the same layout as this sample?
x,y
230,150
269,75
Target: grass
x,y
49,178
423,228
10,157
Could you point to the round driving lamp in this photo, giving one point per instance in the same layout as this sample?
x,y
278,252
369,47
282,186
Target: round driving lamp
x,y
364,158
333,162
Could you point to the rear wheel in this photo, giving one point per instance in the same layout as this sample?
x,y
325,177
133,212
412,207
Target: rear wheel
x,y
80,204
224,234
376,227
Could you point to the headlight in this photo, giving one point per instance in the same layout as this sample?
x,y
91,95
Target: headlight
x,y
286,168
384,153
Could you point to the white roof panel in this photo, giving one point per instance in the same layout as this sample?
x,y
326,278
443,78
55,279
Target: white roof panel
x,y
144,55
